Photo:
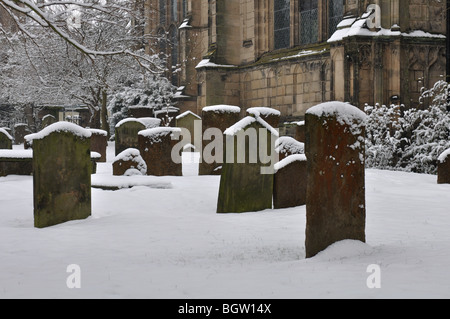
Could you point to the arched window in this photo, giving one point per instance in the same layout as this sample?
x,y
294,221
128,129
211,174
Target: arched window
x,y
162,12
336,14
309,21
282,24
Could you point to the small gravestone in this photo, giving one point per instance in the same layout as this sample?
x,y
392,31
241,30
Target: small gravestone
x,y
48,120
16,162
20,131
189,121
270,115
286,146
126,134
128,163
168,115
62,174
6,140
246,182
300,131
156,147
99,143
218,117
335,200
444,168
289,186
140,111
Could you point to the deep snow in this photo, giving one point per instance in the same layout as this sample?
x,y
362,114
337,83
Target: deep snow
x,y
168,242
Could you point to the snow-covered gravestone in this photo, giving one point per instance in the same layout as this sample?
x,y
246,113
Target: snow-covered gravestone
x,y
62,174
155,146
335,199
289,185
444,168
6,140
99,143
48,120
190,122
246,182
129,163
216,118
126,134
270,115
286,146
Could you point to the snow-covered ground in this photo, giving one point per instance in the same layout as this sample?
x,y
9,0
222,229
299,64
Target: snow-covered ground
x,y
168,242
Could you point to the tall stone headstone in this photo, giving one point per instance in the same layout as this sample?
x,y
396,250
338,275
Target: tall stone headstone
x,y
290,184
126,134
6,140
189,121
99,143
246,182
218,117
443,170
156,146
335,199
62,174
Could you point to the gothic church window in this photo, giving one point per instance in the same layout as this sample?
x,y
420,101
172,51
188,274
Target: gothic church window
x,y
336,14
309,21
282,24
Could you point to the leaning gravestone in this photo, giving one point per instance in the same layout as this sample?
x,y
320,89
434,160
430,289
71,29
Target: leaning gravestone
x,y
99,143
246,183
62,174
126,134
20,131
155,146
289,185
335,200
6,140
270,115
218,117
444,168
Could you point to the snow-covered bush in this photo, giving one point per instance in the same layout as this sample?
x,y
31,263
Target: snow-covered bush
x,y
409,140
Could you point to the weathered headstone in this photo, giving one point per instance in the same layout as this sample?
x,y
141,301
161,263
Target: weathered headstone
x,y
188,121
62,174
16,162
20,131
126,134
129,162
99,143
270,115
245,185
286,145
48,120
168,115
140,111
6,140
218,117
289,185
335,200
444,168
156,147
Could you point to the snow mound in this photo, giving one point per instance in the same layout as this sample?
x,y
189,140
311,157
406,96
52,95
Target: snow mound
x,y
222,108
345,113
133,155
16,154
60,127
122,182
345,249
150,122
